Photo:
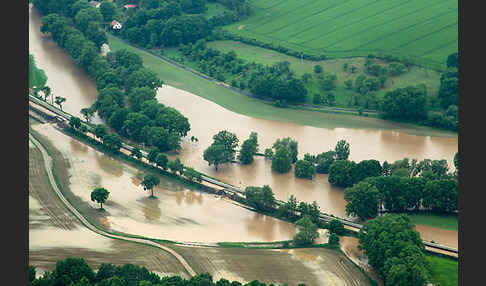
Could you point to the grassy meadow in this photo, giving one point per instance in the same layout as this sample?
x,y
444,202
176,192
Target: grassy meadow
x,y
426,31
444,271
37,77
415,75
449,222
253,107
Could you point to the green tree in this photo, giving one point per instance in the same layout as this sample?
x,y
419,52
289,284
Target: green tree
x,y
337,227
107,9
176,166
386,238
333,239
307,232
152,155
192,174
60,100
88,113
342,173
441,195
86,16
216,155
318,69
324,161
228,140
136,153
362,200
100,131
74,122
248,149
149,182
281,161
99,195
162,160
342,150
304,169
261,198
290,144
113,142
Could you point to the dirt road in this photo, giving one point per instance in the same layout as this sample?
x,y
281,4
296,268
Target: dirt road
x,y
48,167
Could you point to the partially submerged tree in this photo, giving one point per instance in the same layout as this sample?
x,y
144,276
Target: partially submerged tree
x,y
99,195
149,182
307,232
60,100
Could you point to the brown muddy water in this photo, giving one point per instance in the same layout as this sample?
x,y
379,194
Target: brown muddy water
x,y
63,76
177,213
207,118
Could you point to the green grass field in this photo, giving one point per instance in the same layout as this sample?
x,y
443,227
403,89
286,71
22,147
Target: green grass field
x,y
426,31
441,221
415,75
444,271
253,107
37,77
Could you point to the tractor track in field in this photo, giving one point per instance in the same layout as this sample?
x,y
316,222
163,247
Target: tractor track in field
x,y
48,167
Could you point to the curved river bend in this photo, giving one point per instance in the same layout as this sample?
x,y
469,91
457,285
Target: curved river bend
x,y
207,118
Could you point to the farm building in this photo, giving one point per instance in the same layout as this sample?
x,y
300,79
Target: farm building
x,y
95,4
128,6
115,25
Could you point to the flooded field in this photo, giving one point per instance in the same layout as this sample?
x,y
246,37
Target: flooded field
x,y
312,266
177,213
55,234
206,119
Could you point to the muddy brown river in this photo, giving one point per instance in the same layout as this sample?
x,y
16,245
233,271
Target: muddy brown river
x,y
178,213
207,118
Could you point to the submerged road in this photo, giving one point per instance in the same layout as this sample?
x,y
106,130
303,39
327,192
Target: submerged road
x,y
327,218
83,220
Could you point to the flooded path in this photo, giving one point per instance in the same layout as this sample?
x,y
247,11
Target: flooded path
x,y
178,213
207,118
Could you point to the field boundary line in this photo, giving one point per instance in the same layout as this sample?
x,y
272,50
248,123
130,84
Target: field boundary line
x,y
47,167
344,26
388,21
403,29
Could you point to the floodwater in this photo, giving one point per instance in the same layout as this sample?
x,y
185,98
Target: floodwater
x,y
178,213
207,118
63,76
439,235
349,245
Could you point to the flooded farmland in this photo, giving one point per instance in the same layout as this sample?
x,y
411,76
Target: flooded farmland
x,y
178,213
206,119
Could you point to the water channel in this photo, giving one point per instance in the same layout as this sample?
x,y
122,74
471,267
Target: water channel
x,y
207,118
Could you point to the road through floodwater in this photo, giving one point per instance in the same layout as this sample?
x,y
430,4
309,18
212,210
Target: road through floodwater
x,y
207,118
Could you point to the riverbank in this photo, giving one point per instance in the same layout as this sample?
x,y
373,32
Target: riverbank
x,y
249,106
326,253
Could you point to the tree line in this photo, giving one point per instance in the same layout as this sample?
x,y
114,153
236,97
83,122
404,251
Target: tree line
x,y
276,82
394,248
127,89
75,271
405,186
411,103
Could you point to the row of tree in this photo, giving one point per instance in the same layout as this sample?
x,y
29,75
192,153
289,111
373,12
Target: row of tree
x,y
127,89
270,82
403,187
411,104
394,248
76,272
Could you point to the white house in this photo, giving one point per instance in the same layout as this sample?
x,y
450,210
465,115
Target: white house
x,y
115,25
